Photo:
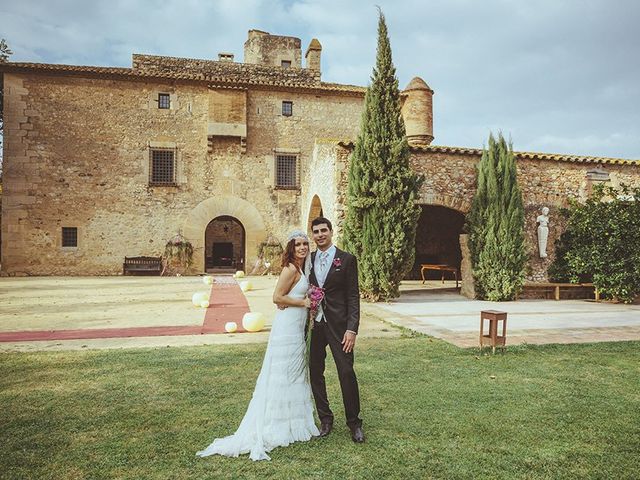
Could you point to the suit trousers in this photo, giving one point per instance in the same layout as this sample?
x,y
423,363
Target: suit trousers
x,y
322,336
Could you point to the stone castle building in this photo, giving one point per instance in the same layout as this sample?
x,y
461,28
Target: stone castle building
x,y
102,163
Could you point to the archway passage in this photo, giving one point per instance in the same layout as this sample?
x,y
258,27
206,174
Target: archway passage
x,y
315,211
437,241
224,243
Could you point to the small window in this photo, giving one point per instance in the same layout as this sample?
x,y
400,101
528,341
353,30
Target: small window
x,y
164,100
287,109
162,170
286,171
69,236
285,63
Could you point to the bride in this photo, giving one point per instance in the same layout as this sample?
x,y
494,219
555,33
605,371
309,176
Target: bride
x,y
281,410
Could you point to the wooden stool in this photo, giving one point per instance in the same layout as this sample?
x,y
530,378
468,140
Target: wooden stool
x,y
493,339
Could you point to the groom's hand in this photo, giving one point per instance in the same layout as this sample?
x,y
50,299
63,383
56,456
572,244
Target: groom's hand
x,y
348,342
282,306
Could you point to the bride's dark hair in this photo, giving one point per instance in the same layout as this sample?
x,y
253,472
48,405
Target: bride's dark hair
x,y
289,254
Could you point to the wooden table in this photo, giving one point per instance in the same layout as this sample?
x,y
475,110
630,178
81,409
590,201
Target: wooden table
x,y
439,267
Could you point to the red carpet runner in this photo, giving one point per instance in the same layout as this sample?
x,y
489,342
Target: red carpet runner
x,y
227,303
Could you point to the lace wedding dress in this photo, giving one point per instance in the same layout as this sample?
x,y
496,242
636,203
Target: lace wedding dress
x,y
281,409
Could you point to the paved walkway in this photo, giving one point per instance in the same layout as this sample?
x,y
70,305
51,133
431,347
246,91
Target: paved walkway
x,y
59,313
445,314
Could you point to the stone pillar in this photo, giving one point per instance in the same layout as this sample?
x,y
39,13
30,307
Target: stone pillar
x,y
466,271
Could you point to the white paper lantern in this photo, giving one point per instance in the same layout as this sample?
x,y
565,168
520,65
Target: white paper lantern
x,y
246,286
199,297
204,304
253,321
230,327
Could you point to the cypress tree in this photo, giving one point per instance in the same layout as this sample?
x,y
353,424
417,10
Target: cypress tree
x,y
496,225
380,225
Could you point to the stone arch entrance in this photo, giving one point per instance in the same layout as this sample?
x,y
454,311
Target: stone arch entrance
x,y
438,239
196,223
315,210
224,244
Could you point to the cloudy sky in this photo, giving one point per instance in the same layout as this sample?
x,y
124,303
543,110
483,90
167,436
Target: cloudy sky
x,y
558,76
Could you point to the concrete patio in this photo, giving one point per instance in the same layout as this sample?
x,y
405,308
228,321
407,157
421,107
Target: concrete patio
x,y
443,313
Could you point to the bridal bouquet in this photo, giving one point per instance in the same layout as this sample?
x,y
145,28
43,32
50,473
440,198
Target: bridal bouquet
x,y
316,295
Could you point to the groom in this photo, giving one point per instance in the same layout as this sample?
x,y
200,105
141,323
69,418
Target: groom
x,y
336,325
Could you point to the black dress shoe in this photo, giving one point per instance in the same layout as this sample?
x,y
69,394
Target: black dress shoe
x,y
325,429
357,435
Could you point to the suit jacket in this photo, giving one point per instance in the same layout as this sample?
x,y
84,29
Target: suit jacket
x,y
341,304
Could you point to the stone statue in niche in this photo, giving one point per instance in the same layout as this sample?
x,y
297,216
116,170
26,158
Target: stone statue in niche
x,y
543,231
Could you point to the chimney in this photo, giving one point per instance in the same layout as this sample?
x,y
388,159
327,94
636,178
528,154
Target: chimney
x,y
225,57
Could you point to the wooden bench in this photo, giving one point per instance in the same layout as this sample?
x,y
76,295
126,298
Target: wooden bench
x,y
556,287
438,267
149,265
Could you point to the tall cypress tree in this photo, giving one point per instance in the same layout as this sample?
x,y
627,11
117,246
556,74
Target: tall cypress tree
x,y
496,225
382,215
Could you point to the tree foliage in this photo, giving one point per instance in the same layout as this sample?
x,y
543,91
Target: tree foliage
x,y
496,225
5,52
382,214
601,243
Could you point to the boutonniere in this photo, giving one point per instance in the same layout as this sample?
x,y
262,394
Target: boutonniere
x,y
337,262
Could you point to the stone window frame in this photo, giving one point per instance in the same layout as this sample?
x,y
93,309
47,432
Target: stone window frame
x,y
287,108
174,151
280,156
154,101
76,233
164,101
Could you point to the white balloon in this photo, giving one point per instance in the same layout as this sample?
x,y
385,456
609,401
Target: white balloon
x,y
204,304
230,327
246,286
199,297
253,321
207,280
238,274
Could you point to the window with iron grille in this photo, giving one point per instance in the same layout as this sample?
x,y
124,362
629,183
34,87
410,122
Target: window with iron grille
x,y
164,100
287,109
162,170
286,171
285,63
69,236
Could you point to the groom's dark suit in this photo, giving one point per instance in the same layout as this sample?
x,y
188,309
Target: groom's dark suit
x,y
341,307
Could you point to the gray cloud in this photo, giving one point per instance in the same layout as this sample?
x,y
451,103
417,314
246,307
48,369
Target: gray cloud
x,y
558,76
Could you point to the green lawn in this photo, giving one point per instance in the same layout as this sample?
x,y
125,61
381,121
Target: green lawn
x,y
430,410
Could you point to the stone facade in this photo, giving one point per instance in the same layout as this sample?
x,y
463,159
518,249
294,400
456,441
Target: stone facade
x,y
79,145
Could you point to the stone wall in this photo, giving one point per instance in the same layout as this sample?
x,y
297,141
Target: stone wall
x,y
77,155
450,182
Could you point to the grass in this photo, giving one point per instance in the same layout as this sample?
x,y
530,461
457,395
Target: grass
x,y
430,410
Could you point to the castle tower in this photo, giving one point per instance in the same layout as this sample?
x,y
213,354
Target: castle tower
x,y
417,112
262,48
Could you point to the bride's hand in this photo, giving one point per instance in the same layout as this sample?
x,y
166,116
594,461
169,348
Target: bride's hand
x,y
307,302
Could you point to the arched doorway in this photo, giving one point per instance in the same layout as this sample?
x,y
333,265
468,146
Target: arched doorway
x,y
315,211
438,241
246,213
224,241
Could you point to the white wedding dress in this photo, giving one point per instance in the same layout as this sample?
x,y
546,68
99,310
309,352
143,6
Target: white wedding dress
x,y
281,409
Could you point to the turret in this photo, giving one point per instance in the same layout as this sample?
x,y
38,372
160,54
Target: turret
x,y
417,112
312,56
